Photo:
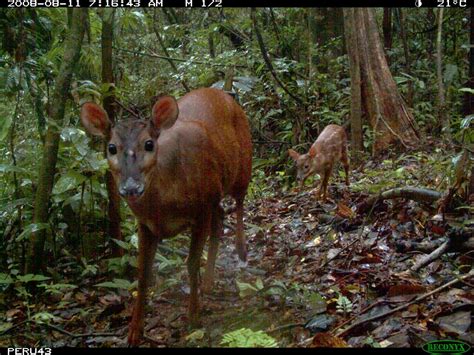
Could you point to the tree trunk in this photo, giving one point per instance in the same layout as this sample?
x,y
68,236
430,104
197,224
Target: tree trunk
x,y
443,120
113,209
406,51
381,101
387,30
468,107
210,41
72,49
356,99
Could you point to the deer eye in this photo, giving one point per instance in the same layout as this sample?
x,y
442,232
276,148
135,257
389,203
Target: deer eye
x,y
112,149
306,166
149,145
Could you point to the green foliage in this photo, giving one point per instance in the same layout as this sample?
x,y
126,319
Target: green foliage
x,y
247,338
344,305
119,283
246,289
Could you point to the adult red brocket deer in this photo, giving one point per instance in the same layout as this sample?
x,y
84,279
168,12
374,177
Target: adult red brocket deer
x,y
329,148
173,170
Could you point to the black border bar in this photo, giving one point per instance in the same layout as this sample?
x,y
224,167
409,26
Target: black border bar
x,y
235,3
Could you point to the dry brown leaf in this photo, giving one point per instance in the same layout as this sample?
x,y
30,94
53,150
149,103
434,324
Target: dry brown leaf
x,y
327,340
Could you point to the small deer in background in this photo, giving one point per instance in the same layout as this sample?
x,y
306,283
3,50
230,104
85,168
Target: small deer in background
x,y
328,149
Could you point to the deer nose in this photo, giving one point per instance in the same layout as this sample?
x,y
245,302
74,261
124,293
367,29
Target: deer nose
x,y
131,188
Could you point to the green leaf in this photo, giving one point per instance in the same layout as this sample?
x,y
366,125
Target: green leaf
x,y
5,168
450,72
70,180
469,90
122,244
32,228
44,317
5,124
117,283
400,80
5,279
466,121
246,289
247,338
195,336
32,278
5,326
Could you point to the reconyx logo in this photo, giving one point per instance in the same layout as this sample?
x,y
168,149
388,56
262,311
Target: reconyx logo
x,y
446,347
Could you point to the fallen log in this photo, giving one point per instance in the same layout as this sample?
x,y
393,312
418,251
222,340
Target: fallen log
x,y
409,192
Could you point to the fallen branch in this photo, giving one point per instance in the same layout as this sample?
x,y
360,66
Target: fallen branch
x,y
406,245
412,193
458,240
427,259
422,297
84,335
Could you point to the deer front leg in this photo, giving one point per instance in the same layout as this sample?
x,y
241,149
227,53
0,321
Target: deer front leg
x,y
147,243
198,239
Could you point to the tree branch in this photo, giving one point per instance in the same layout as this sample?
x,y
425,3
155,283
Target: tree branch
x,y
267,60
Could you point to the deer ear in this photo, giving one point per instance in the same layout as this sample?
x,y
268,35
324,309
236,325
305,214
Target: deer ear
x,y
95,119
294,155
165,112
312,152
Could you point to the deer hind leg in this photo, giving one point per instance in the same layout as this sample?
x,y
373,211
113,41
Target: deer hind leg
x,y
324,183
240,242
147,243
217,230
345,163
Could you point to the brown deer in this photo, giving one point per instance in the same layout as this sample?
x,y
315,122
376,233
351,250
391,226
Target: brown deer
x,y
173,170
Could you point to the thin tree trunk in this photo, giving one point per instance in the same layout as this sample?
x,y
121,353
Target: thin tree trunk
x,y
356,99
387,31
113,209
165,51
267,60
442,117
406,51
210,41
468,97
72,49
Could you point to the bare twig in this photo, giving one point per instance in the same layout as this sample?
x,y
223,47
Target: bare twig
x,y
133,113
427,259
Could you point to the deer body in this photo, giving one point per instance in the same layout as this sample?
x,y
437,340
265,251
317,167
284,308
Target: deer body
x,y
173,171
329,148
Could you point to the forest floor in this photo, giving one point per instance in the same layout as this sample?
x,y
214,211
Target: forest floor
x,y
313,268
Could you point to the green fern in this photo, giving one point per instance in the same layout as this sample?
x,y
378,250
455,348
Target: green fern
x,y
247,338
